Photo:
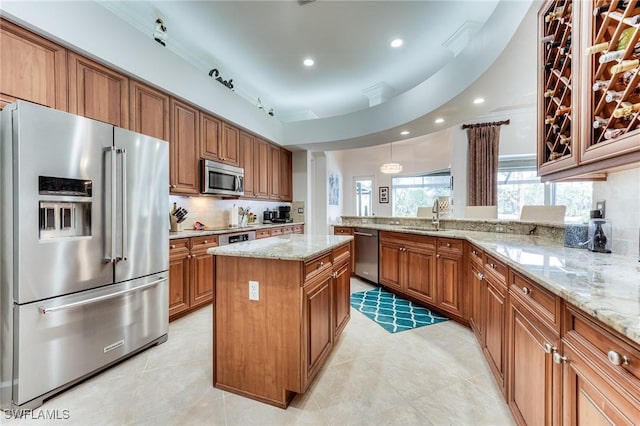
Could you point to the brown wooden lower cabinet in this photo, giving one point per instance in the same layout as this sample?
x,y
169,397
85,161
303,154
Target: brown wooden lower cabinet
x,y
449,280
347,230
534,380
191,274
495,311
477,287
271,348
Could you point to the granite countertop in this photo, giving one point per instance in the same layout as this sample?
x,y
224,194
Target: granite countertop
x,y
188,233
299,247
606,286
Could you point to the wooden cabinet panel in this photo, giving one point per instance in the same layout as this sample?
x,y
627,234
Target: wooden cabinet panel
x,y
31,68
98,92
262,177
276,231
494,347
299,229
203,271
317,317
478,289
149,111
420,273
449,283
179,276
286,177
538,299
183,148
390,264
347,230
247,162
341,298
210,137
230,145
263,233
274,164
534,391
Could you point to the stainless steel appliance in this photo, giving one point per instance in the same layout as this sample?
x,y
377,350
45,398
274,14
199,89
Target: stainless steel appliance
x,y
366,242
267,216
83,249
222,179
236,237
282,215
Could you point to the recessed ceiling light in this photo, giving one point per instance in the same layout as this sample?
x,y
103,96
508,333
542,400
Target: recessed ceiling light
x,y
439,120
478,100
308,62
404,132
397,42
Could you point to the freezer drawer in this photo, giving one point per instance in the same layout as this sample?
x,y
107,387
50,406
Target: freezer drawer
x,y
63,339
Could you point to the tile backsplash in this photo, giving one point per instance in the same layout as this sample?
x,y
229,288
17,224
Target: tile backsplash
x,y
215,212
621,191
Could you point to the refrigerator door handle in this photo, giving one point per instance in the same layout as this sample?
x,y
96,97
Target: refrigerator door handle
x,y
110,206
123,194
45,311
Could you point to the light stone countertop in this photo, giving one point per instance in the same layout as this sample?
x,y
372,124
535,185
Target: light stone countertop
x,y
606,286
188,233
300,247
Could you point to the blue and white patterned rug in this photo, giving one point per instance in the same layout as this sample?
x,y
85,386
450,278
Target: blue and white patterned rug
x,y
393,313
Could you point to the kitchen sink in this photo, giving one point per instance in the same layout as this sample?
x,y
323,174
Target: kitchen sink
x,y
421,228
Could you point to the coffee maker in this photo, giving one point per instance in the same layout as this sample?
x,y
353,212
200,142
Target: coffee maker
x,y
267,216
282,215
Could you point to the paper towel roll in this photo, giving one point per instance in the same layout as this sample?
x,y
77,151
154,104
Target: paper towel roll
x,y
233,218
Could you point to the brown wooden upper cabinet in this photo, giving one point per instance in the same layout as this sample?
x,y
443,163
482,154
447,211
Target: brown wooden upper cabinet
x,y
286,178
31,68
149,111
183,148
274,163
219,141
97,92
262,176
247,162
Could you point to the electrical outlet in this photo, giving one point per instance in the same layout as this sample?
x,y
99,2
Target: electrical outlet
x,y
601,205
254,290
500,228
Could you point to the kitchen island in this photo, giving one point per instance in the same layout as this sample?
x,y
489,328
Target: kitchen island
x,y
279,306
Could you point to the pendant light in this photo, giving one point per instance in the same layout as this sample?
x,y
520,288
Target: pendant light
x,y
391,168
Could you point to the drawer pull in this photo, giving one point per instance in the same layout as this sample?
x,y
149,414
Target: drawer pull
x,y
437,255
473,252
616,359
480,276
559,359
448,244
549,348
206,242
493,265
173,246
526,290
320,264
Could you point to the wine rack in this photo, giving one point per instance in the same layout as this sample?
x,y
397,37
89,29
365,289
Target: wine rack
x,y
555,76
612,70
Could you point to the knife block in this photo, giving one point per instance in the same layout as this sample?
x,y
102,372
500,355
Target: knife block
x,y
175,226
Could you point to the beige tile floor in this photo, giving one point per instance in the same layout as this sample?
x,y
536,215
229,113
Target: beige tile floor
x,y
431,375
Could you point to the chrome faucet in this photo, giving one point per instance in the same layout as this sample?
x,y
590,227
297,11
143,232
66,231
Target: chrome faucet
x,y
436,209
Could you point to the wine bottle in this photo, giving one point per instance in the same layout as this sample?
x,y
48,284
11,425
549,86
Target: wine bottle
x,y
549,93
555,156
613,133
596,48
548,39
600,122
626,110
600,85
624,66
613,95
562,110
557,13
601,9
634,20
549,120
565,140
555,129
618,54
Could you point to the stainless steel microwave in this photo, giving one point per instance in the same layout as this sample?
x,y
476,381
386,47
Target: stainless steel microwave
x,y
222,179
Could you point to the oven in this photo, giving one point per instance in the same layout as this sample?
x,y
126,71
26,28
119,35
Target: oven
x,y
222,179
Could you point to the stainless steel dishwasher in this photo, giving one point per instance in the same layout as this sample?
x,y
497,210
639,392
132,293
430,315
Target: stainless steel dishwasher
x,y
366,241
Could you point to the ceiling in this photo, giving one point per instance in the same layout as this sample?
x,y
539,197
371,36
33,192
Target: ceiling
x,y
260,45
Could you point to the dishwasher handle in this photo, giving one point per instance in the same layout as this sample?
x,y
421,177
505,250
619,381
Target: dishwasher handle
x,y
364,234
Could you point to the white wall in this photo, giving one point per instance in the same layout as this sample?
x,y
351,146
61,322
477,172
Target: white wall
x,y
621,191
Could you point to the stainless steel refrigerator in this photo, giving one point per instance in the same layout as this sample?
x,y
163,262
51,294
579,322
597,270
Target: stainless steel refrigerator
x,y
83,249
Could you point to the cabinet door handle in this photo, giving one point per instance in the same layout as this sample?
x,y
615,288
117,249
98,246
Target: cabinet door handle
x,y
616,359
549,348
480,276
320,264
526,290
172,246
473,252
448,244
206,241
493,265
559,359
437,255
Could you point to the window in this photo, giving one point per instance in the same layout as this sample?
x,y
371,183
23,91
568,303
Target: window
x,y
363,196
411,192
519,185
